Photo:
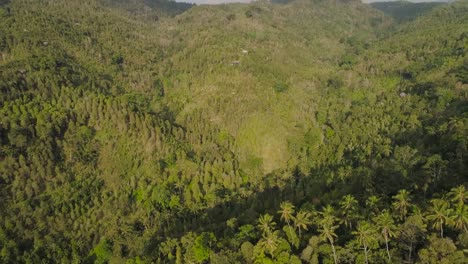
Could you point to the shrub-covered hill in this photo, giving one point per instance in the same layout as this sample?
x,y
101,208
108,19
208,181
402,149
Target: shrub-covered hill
x,y
151,131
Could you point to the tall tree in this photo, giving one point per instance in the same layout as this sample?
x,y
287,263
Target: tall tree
x,y
412,233
458,194
367,236
402,202
459,217
439,214
328,214
287,212
327,229
372,204
269,242
348,208
302,221
266,224
387,227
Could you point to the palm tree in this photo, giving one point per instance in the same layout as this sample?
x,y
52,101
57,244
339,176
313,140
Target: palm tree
x,y
401,203
302,221
439,215
269,242
287,212
327,228
328,214
366,236
372,204
266,224
459,218
348,207
459,194
387,228
327,233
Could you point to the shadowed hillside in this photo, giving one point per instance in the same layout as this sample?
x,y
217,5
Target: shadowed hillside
x,y
405,11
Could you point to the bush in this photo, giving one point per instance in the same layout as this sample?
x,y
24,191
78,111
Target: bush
x,y
280,87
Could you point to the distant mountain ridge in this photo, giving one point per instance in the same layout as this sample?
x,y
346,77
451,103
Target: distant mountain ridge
x,y
405,10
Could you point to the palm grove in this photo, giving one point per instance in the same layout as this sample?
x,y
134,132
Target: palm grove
x,y
301,132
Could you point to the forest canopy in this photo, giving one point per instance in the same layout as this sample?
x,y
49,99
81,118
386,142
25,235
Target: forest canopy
x,y
304,131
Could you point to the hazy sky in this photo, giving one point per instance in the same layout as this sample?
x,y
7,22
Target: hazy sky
x,y
247,1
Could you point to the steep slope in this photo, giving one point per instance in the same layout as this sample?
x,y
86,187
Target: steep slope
x,y
412,83
82,131
97,135
126,138
289,50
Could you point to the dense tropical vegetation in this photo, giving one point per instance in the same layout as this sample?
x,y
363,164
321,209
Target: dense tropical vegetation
x,y
306,131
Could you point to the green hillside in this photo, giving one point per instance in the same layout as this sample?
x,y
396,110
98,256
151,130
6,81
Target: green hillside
x,y
276,82
295,132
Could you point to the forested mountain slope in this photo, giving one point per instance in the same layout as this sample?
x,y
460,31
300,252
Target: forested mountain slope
x,y
157,132
269,59
405,10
